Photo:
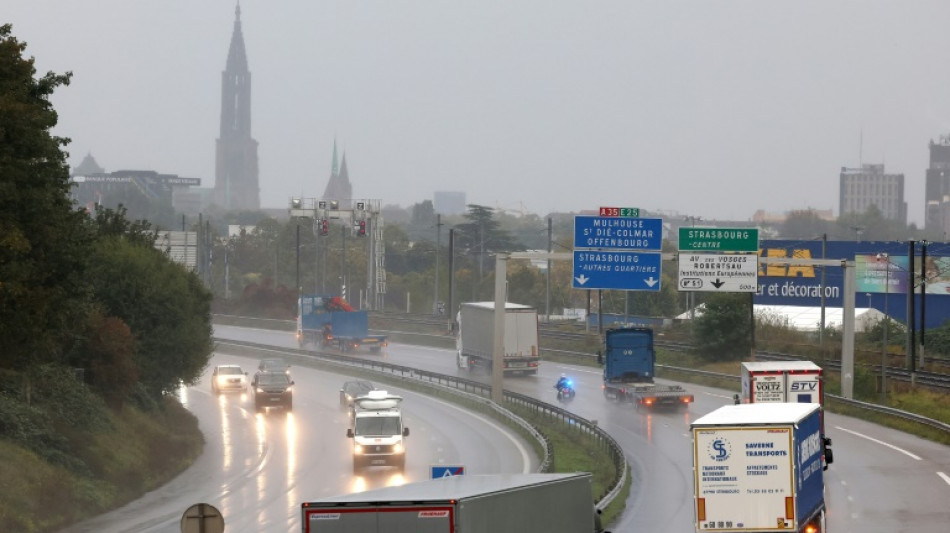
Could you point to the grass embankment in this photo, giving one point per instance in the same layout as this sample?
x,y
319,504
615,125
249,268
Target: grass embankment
x,y
52,479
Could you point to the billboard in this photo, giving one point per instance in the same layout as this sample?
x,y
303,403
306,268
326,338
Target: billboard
x,y
882,276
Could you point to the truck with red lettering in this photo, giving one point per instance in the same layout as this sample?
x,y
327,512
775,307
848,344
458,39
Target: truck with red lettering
x,y
499,503
758,468
786,382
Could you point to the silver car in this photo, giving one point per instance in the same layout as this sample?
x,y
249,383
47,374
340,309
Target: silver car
x,y
228,378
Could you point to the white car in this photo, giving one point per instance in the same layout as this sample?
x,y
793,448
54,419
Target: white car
x,y
228,378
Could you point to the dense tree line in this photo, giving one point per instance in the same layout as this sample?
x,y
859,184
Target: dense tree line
x,y
78,289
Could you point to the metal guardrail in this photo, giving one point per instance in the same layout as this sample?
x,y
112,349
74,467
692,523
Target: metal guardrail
x,y
476,392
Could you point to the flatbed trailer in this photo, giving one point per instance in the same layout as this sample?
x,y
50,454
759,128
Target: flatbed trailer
x,y
629,368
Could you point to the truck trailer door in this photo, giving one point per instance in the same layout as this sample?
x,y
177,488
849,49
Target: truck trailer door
x,y
804,388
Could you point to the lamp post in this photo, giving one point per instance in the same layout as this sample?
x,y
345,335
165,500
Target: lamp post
x,y
887,318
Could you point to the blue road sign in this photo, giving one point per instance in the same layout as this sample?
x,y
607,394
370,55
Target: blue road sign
x,y
618,233
439,471
629,271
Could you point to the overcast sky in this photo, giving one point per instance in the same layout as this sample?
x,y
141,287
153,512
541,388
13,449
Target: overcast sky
x,y
704,108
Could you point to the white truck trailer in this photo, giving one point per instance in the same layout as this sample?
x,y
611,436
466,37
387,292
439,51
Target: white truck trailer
x,y
786,382
476,337
782,381
757,468
502,503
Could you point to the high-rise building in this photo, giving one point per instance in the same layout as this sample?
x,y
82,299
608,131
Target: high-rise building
x,y
339,187
236,184
869,185
937,195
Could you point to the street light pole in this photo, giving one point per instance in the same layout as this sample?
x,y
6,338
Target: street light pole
x,y
887,319
438,244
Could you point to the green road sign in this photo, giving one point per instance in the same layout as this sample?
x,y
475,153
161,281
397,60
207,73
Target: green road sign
x,y
719,239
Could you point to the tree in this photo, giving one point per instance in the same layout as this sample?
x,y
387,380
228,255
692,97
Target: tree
x,y
805,224
44,294
722,332
166,307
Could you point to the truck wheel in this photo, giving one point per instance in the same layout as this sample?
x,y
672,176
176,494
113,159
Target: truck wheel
x,y
357,466
401,465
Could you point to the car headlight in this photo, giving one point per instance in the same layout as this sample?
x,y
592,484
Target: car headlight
x,y
260,390
357,449
397,448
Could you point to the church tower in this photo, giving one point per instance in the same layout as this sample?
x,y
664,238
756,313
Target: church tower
x,y
339,187
236,184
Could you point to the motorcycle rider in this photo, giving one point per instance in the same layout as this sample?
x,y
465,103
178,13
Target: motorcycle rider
x,y
562,382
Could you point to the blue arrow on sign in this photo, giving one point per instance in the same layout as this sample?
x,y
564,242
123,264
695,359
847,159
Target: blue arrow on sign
x,y
616,233
439,471
629,271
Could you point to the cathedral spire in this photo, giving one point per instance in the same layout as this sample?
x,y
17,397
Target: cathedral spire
x,y
237,56
236,182
334,168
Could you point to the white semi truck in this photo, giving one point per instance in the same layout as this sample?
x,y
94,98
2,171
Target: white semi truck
x,y
757,468
475,342
786,382
378,432
502,503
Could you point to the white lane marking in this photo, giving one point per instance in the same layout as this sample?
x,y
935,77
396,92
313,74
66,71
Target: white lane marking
x,y
525,458
882,443
575,369
717,395
944,477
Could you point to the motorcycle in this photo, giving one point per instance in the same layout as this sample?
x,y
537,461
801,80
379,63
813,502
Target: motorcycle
x,y
565,392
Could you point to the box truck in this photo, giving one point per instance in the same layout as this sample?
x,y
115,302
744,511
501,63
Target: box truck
x,y
502,503
475,342
786,382
757,468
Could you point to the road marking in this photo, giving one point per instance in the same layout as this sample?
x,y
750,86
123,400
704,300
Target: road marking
x,y
944,477
882,443
574,369
525,458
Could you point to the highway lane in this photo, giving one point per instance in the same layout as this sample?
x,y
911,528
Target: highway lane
x,y
258,468
882,480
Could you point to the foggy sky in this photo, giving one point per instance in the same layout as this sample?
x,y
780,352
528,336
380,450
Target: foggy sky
x,y
705,108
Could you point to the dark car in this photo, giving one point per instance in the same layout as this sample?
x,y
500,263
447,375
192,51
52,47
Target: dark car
x,y
228,378
273,389
352,390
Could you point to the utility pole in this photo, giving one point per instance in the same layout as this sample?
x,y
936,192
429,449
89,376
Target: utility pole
x,y
438,244
451,309
343,264
547,294
297,286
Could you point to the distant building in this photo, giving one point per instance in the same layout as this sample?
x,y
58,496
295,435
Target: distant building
x,y
132,188
87,167
236,183
870,185
449,202
937,195
338,186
